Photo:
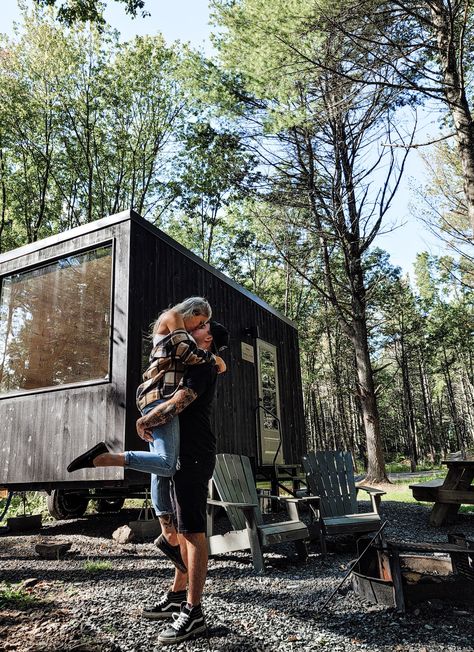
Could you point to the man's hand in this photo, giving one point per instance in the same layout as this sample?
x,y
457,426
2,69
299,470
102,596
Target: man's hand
x,y
220,364
164,413
143,432
161,414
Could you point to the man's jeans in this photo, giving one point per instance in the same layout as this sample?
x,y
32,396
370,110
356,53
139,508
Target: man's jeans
x,y
160,461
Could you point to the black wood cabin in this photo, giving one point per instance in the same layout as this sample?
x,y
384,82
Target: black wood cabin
x,y
75,316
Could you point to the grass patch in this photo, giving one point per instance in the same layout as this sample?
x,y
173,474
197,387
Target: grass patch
x,y
15,597
398,491
406,482
466,509
97,566
403,466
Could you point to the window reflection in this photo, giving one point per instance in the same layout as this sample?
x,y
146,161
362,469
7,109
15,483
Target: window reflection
x,y
55,323
269,389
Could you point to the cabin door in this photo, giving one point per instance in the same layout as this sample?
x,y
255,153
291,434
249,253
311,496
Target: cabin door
x,y
269,402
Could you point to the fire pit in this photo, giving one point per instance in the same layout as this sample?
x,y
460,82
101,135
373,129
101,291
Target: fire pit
x,y
400,574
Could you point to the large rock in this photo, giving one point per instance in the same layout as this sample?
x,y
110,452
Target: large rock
x,y
48,550
123,535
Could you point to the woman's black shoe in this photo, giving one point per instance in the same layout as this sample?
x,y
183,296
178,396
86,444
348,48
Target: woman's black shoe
x,y
172,552
86,460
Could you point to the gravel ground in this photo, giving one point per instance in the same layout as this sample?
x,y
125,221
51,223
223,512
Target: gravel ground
x,y
73,608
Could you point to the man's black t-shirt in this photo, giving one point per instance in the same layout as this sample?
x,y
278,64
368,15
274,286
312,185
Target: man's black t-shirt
x,y
197,441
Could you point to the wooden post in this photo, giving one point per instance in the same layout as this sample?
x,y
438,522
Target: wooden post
x,y
397,581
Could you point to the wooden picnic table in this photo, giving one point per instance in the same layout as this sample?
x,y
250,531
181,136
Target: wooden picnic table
x,y
449,494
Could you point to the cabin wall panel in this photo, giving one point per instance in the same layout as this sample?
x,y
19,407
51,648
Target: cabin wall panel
x,y
45,430
174,276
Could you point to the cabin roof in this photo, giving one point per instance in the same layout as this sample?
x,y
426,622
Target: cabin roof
x,y
130,215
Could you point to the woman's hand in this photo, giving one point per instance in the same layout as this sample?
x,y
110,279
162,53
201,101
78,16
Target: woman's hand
x,y
220,364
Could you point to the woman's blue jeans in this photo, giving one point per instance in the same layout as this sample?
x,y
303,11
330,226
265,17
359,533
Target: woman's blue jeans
x,y
160,461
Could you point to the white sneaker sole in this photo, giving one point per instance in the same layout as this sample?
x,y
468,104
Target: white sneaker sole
x,y
183,637
149,615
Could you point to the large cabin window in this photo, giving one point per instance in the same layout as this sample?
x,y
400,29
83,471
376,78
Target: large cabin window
x,y
55,323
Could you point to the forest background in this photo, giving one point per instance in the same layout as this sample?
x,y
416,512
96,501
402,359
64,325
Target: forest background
x,y
278,161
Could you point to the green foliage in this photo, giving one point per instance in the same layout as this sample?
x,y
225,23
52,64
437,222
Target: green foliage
x,y
262,165
13,596
403,466
443,205
97,566
426,359
210,173
32,502
86,127
73,11
258,41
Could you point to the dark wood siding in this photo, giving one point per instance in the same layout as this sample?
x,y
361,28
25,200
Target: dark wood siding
x,y
43,431
168,276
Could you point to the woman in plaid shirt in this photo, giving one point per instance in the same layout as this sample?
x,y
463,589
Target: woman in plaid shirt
x,y
173,350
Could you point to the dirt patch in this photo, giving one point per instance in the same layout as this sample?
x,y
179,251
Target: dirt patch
x,y
46,623
91,600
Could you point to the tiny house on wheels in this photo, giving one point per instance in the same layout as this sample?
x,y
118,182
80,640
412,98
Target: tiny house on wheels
x,y
75,316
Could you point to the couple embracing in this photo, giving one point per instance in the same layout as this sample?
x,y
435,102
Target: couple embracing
x,y
175,401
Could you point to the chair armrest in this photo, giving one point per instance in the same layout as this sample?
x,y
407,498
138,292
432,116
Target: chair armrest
x,y
224,503
375,496
303,493
313,502
371,490
291,503
299,500
291,499
248,510
272,497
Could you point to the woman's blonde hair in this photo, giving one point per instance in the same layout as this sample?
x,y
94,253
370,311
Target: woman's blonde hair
x,y
190,307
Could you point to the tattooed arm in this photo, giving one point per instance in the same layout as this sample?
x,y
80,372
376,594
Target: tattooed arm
x,y
164,412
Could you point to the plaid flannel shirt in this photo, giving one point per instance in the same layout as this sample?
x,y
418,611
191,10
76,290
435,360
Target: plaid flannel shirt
x,y
168,362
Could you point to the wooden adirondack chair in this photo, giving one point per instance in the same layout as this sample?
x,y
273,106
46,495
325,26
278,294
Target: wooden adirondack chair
x,y
233,488
330,475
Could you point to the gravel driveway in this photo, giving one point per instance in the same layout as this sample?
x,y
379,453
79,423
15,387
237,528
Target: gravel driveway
x,y
76,608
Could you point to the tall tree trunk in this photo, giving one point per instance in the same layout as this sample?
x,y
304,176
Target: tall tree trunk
x,y
323,430
3,193
368,402
452,401
428,409
353,431
468,403
340,412
447,40
315,431
408,400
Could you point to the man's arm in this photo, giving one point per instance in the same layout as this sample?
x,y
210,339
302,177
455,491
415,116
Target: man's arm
x,y
164,412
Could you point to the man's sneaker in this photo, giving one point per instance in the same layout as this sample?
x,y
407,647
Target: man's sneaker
x,y
169,604
172,552
190,622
